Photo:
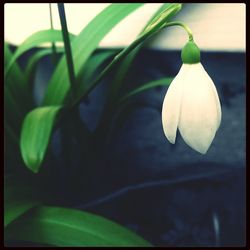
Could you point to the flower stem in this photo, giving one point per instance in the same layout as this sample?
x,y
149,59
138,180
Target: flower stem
x,y
67,47
184,26
53,46
142,38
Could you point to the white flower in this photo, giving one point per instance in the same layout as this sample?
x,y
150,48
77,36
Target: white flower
x,y
192,105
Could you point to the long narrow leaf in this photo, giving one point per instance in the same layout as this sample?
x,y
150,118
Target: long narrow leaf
x,y
82,47
11,143
123,69
38,125
16,81
35,40
36,131
86,73
146,35
91,67
10,133
12,110
67,228
61,82
34,59
18,199
126,51
147,86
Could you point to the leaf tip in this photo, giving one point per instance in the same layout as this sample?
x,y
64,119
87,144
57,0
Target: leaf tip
x,y
32,162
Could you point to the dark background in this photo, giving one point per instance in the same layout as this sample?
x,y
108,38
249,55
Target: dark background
x,y
169,194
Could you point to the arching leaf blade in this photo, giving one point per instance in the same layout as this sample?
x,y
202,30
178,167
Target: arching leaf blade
x,y
35,135
58,226
153,84
83,46
18,199
35,40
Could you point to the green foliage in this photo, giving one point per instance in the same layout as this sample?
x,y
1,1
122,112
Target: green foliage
x,y
30,69
147,86
67,227
18,199
122,71
128,61
15,84
28,128
87,73
82,47
36,131
35,40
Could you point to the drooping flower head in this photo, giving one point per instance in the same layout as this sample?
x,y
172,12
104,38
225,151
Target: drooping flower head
x,y
191,103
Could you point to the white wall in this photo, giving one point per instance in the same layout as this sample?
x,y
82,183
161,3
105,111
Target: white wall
x,y
215,26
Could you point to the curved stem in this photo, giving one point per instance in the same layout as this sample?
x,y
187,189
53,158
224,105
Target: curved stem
x,y
184,26
126,51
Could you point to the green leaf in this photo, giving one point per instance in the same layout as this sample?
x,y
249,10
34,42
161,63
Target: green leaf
x,y
34,59
68,52
147,86
70,228
10,134
17,100
82,47
37,151
13,113
86,73
91,67
123,69
35,40
11,148
141,39
61,82
35,134
16,83
162,17
18,199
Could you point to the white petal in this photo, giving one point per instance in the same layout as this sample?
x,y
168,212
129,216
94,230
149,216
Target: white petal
x,y
171,105
217,100
200,116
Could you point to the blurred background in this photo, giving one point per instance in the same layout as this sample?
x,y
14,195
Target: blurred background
x,y
216,26
169,194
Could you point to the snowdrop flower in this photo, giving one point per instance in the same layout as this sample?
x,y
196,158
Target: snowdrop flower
x,y
191,103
